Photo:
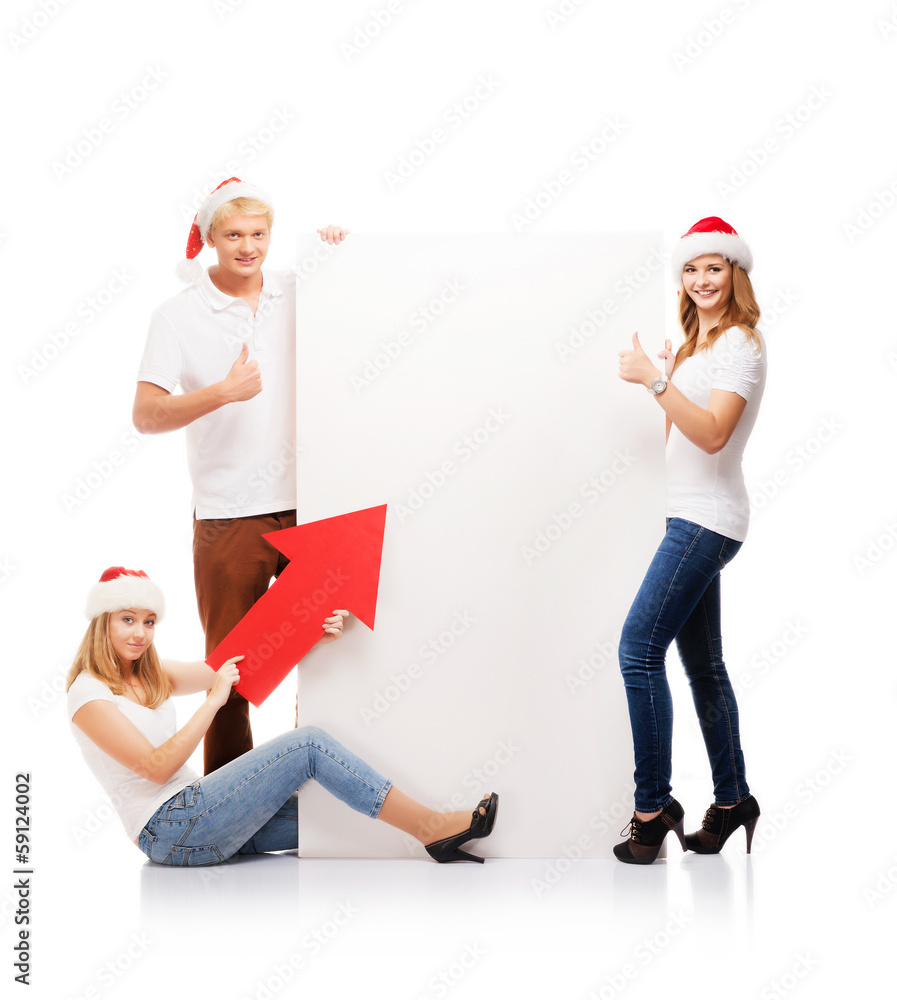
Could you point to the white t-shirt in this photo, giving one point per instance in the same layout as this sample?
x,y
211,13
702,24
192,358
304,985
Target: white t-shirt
x,y
242,456
135,798
709,489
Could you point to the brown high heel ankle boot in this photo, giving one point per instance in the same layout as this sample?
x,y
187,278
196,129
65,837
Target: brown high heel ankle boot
x,y
646,836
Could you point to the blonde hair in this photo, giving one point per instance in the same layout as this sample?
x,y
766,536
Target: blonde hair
x,y
97,658
741,311
241,206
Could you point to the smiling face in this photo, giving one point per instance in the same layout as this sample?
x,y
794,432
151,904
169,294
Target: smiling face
x,y
131,632
708,283
241,243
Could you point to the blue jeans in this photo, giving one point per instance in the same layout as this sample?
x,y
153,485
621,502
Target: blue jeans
x,y
249,806
680,599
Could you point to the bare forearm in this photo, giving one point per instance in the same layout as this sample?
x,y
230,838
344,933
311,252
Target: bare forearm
x,y
171,755
157,414
700,426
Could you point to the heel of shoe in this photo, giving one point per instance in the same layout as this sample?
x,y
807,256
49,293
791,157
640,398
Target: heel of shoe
x,y
447,852
679,830
749,832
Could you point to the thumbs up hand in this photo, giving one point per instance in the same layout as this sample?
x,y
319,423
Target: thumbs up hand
x,y
635,366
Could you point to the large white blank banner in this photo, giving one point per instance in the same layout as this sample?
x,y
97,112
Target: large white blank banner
x,y
470,382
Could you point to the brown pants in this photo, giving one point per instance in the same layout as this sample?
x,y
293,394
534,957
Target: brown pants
x,y
232,568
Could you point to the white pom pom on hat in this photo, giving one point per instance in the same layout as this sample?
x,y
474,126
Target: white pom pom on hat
x,y
188,270
120,588
710,235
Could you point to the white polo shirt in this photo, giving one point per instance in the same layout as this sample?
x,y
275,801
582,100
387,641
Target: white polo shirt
x,y
707,489
242,456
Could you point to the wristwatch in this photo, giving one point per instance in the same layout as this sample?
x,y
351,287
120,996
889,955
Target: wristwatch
x,y
658,385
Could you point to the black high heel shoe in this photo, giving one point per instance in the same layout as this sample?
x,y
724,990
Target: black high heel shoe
x,y
646,836
449,848
719,824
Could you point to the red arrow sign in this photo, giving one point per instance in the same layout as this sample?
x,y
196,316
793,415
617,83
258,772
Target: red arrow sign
x,y
334,563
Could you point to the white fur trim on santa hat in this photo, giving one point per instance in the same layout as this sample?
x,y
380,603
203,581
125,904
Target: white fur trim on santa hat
x,y
125,591
728,245
221,196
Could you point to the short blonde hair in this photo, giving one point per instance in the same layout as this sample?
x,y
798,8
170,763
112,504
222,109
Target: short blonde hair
x,y
241,206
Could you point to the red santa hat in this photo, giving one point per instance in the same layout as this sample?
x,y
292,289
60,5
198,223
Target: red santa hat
x,y
710,235
120,588
226,191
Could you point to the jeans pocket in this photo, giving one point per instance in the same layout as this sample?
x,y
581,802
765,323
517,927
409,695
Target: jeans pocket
x,y
186,798
191,857
728,551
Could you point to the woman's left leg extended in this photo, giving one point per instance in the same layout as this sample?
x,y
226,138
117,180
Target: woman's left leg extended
x,y
248,805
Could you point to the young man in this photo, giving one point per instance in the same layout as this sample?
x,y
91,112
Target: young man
x,y
229,342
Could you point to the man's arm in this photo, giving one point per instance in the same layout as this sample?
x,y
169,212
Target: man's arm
x,y
156,410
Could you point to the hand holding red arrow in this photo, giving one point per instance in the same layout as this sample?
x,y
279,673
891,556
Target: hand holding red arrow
x,y
334,563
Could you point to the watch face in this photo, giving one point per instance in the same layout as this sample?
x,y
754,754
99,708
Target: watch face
x,y
658,385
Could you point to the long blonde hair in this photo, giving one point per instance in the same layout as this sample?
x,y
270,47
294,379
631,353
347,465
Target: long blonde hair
x,y
97,658
742,311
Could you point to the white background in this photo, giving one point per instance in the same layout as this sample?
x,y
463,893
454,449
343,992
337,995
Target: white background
x,y
776,117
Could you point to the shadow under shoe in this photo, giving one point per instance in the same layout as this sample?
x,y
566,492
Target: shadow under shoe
x,y
449,848
646,836
719,824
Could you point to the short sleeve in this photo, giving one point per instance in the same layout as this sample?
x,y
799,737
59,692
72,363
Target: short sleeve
x,y
84,689
162,361
737,363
